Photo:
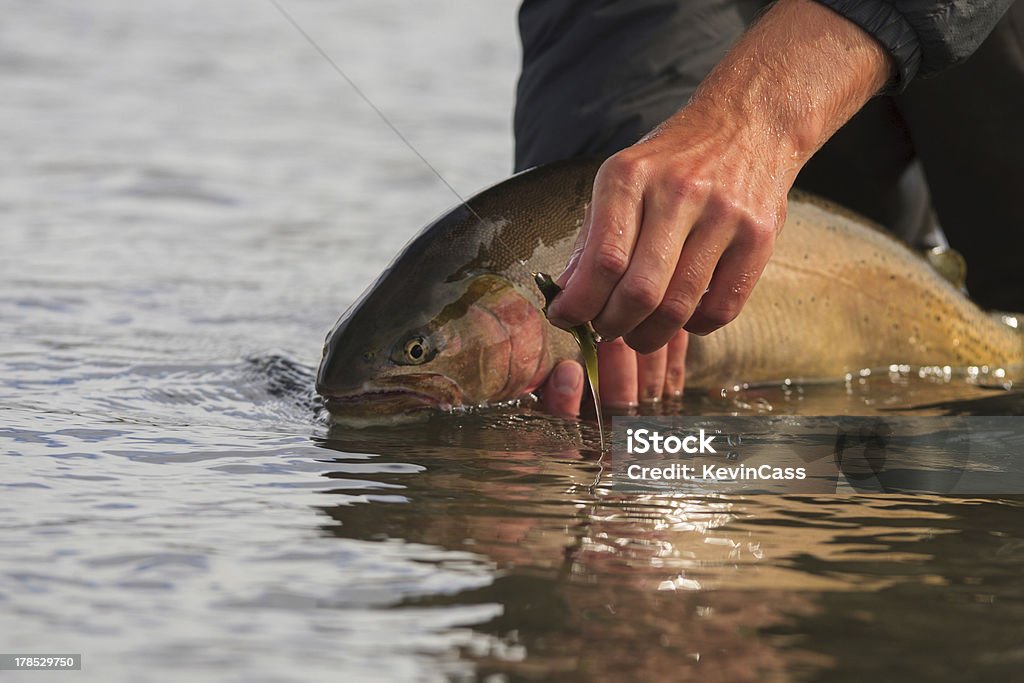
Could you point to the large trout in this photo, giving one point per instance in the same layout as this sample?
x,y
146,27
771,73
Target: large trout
x,y
456,319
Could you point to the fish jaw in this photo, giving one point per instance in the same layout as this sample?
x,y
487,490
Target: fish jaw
x,y
413,394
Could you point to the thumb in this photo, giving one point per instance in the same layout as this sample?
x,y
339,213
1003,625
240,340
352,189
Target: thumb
x,y
563,390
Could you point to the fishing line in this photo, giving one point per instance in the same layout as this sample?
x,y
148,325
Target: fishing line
x,y
371,105
383,117
583,333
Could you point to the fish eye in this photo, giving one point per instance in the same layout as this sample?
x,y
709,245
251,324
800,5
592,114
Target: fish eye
x,y
415,350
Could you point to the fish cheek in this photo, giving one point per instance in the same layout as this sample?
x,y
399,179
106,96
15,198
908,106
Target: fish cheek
x,y
509,338
495,342
478,356
526,329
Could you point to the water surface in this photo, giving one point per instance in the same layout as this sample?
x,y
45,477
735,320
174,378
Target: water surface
x,y
190,197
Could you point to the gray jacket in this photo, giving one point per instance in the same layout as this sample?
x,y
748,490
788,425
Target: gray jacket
x,y
924,36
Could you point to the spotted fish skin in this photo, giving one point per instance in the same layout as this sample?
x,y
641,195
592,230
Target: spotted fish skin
x,y
838,295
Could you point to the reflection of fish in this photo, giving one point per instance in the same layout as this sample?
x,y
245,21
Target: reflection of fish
x,y
456,319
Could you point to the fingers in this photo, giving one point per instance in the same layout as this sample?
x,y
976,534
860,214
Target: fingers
x,y
675,369
738,271
691,278
651,369
618,370
627,379
563,390
668,214
616,213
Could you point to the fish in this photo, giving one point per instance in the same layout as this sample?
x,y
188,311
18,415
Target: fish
x,y
457,321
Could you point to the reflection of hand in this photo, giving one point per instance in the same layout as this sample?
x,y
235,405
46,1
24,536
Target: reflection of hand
x,y
627,378
682,223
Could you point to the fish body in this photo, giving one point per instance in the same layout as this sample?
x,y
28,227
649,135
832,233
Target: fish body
x,y
456,319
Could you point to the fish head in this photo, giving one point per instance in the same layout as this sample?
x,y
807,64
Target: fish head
x,y
408,347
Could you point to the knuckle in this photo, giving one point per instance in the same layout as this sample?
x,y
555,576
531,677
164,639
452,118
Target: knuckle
x,y
611,260
686,185
642,342
674,312
572,312
641,292
759,228
761,234
720,207
721,313
626,171
625,167
719,316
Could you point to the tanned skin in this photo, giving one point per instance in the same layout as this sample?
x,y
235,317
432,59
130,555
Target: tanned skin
x,y
682,223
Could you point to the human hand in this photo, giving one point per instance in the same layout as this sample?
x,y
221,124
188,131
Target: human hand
x,y
682,224
680,228
627,378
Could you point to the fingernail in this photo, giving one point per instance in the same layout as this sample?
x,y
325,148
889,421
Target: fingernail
x,y
568,377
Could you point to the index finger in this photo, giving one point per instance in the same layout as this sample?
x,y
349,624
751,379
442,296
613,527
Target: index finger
x,y
616,212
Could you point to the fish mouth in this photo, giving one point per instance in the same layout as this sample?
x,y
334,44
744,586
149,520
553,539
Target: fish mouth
x,y
431,394
380,401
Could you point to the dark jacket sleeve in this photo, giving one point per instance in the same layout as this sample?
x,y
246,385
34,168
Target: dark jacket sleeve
x,y
923,36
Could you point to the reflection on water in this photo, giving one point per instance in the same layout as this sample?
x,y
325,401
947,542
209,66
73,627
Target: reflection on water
x,y
596,585
189,200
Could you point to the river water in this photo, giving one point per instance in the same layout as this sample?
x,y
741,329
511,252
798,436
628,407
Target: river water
x,y
190,196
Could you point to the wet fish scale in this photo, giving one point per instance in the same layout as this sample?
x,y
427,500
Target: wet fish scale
x,y
838,295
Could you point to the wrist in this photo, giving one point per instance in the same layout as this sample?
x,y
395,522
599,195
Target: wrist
x,y
794,79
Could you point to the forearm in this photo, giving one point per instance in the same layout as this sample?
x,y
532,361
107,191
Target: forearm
x,y
794,79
